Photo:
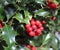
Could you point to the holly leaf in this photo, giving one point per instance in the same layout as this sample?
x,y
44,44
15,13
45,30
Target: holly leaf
x,y
20,18
27,15
39,1
42,12
46,38
9,36
55,43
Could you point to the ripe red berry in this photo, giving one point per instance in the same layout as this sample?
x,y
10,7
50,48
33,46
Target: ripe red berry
x,y
43,22
38,31
40,25
1,24
34,48
38,34
32,22
32,33
52,5
34,27
53,18
41,28
27,26
28,46
29,29
37,22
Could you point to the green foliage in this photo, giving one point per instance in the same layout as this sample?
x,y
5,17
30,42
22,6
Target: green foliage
x,y
9,36
42,12
15,14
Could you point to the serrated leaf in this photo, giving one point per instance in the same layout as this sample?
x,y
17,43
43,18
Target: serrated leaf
x,y
42,12
20,18
9,36
27,15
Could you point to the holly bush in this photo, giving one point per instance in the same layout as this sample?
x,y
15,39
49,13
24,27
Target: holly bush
x,y
29,24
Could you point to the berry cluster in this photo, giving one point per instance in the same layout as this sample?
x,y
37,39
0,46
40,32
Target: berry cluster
x,y
1,24
34,28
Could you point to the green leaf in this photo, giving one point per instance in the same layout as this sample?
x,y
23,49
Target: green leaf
x,y
42,12
39,1
55,43
27,15
9,36
56,1
55,13
1,9
20,18
46,39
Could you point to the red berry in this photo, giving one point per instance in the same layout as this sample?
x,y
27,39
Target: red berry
x,y
34,27
28,46
1,24
32,22
53,18
34,48
38,34
37,22
43,22
52,5
41,28
38,31
40,25
29,29
27,25
32,34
